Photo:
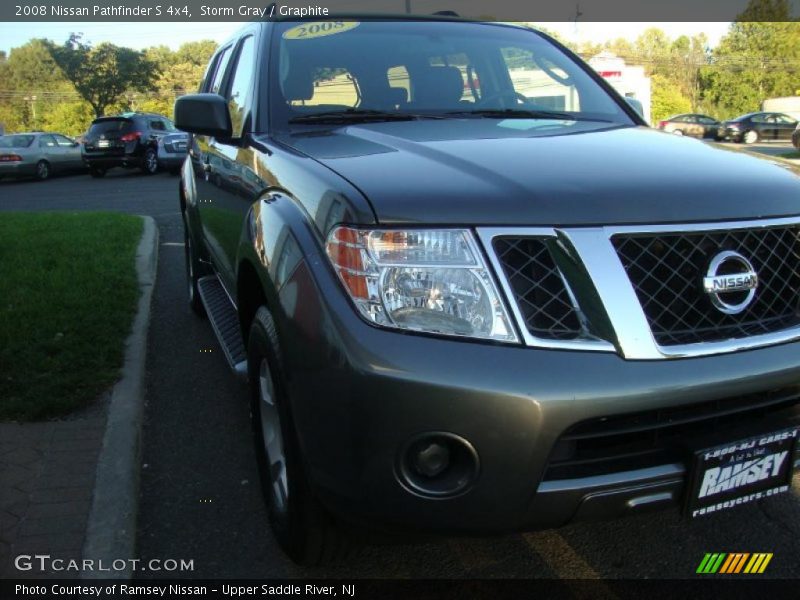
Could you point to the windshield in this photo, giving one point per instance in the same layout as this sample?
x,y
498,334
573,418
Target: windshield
x,y
15,141
423,68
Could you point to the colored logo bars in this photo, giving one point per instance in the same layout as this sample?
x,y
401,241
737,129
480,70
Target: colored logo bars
x,y
735,562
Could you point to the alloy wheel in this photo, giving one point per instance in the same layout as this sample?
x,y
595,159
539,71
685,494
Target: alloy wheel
x,y
42,170
273,439
150,161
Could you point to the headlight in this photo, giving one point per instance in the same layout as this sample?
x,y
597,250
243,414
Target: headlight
x,y
424,280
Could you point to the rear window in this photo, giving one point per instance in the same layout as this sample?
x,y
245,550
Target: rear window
x,y
15,141
109,125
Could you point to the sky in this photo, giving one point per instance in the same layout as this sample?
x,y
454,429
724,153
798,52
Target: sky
x,y
142,35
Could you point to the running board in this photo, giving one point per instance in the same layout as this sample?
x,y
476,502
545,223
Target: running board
x,y
225,321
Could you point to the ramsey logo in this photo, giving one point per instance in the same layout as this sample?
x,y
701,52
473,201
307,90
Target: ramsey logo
x,y
736,562
723,479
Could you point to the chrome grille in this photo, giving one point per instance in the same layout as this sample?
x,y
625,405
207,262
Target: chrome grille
x,y
666,271
538,288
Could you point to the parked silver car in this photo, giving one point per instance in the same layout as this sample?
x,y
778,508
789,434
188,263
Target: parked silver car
x,y
172,150
38,154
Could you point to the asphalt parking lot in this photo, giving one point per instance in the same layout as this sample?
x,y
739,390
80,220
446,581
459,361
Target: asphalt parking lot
x,y
200,499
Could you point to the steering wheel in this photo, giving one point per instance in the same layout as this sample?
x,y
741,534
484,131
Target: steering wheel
x,y
516,96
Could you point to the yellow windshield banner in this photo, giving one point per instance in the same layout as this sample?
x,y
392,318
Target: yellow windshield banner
x,y
318,29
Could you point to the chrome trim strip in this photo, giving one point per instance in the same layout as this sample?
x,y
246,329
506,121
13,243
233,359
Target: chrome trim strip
x,y
486,235
698,227
668,472
632,335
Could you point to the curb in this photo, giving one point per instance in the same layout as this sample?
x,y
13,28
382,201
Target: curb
x,y
111,528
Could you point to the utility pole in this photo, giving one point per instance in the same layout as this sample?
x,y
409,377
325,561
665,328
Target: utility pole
x,y
32,100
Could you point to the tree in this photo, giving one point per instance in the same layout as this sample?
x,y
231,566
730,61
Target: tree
x,y
102,74
688,57
666,99
759,58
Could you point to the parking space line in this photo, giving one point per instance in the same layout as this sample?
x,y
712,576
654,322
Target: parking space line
x,y
566,564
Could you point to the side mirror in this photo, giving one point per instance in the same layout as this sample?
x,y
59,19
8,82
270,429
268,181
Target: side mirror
x,y
204,114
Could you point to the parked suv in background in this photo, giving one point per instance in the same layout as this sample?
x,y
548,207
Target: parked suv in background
x,y
469,293
129,140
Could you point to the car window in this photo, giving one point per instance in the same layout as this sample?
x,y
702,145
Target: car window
x,y
219,75
15,141
63,141
400,84
706,120
110,125
784,119
47,141
157,125
332,86
759,119
543,83
238,97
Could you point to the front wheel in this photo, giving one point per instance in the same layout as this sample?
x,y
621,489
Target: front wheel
x,y
750,137
42,170
150,162
302,527
678,132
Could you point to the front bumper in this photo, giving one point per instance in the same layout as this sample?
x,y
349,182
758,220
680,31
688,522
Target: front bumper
x,y
728,133
360,393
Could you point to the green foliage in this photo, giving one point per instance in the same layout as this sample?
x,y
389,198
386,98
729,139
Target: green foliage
x,y
103,73
36,94
70,118
755,60
666,98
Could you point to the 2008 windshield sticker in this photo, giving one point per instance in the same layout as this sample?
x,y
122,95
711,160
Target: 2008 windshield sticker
x,y
309,31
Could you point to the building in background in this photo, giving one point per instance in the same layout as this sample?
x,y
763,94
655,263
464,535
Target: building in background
x,y
789,105
628,80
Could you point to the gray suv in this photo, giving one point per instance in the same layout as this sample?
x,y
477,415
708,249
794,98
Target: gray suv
x,y
467,292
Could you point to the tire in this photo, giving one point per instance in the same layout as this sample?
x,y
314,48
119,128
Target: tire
x,y
97,172
306,532
194,271
42,170
150,162
678,132
750,137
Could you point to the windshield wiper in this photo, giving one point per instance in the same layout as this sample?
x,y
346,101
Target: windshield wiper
x,y
358,115
521,113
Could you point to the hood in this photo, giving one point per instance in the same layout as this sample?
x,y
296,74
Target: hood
x,y
518,172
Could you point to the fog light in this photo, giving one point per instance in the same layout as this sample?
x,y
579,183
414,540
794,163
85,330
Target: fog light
x,y
432,459
437,464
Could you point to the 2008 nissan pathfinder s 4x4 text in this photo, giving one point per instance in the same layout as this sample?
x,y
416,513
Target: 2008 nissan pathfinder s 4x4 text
x,y
469,293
